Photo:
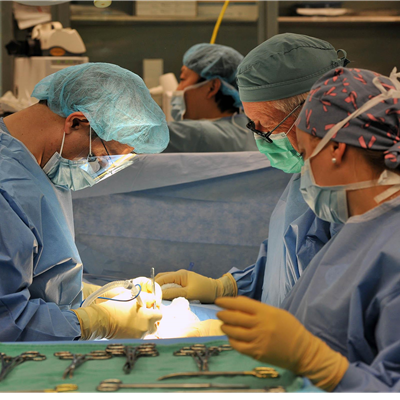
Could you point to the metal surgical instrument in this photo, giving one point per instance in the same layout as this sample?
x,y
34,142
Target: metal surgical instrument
x,y
258,372
153,282
112,385
270,389
64,387
79,359
201,353
132,353
8,363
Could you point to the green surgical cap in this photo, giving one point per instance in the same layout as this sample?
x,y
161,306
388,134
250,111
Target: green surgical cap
x,y
115,101
284,66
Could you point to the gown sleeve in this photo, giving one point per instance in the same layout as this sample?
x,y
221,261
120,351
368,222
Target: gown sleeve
x,y
383,374
184,137
22,317
250,280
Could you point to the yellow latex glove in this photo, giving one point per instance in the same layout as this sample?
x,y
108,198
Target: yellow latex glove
x,y
121,320
275,336
209,327
88,289
196,287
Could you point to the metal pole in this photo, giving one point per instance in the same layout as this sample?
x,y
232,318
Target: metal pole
x,y
7,34
268,12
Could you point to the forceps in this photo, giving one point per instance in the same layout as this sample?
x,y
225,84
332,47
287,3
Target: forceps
x,y
132,353
258,372
79,359
201,353
112,385
8,363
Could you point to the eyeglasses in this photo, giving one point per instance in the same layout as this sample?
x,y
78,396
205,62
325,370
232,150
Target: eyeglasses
x,y
266,135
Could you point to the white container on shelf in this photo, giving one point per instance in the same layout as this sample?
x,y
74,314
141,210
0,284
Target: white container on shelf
x,y
166,8
246,10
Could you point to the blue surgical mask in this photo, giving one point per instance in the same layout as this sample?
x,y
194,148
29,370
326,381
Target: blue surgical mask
x,y
84,172
67,174
328,202
178,104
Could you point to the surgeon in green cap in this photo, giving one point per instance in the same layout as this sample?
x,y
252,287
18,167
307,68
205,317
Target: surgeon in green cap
x,y
274,80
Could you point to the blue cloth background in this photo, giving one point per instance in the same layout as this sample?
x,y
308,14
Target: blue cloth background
x,y
169,210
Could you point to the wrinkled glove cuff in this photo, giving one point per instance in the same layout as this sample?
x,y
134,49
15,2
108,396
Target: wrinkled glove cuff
x,y
226,286
323,366
92,320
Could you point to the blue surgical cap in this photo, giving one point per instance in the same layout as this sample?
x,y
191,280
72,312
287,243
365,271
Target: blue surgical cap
x,y
212,61
284,66
115,101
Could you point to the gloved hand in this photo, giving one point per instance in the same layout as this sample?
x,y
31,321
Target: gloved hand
x,y
147,287
197,287
121,320
209,327
88,289
275,336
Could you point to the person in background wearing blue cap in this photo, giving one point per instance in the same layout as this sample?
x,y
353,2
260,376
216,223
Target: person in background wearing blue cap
x,y
274,80
206,107
339,325
90,122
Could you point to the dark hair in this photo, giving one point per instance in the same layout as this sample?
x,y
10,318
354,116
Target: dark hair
x,y
377,160
224,102
374,158
94,134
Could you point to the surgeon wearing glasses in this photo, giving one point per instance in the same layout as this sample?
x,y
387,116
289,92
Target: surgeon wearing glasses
x,y
274,80
92,120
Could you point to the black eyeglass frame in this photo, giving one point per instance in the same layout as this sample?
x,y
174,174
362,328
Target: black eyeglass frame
x,y
266,135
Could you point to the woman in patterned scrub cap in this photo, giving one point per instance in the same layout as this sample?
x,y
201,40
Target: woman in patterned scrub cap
x,y
339,324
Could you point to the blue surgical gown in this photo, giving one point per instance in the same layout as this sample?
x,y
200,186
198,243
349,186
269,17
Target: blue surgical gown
x,y
349,296
40,268
296,235
206,136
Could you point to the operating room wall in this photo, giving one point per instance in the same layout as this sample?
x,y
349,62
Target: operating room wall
x,y
287,6
128,45
369,45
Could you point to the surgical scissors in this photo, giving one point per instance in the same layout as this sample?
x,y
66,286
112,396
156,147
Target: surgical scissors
x,y
79,359
112,385
8,363
201,353
132,353
258,372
